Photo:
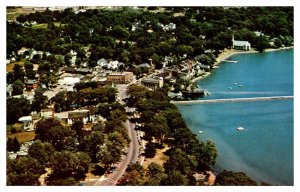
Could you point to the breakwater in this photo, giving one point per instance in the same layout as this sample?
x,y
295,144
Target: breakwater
x,y
233,100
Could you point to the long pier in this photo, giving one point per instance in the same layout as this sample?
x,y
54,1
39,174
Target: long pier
x,y
233,100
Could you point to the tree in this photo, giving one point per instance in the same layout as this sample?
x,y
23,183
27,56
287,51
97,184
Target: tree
x,y
9,77
175,178
134,175
205,153
24,171
155,174
181,50
68,165
13,145
18,87
50,130
136,93
91,144
16,108
18,73
150,150
67,59
262,43
58,137
111,152
77,127
158,128
70,181
41,151
119,32
278,43
117,115
206,59
39,102
157,61
181,162
230,178
42,127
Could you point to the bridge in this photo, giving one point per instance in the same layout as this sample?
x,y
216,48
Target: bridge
x,y
233,100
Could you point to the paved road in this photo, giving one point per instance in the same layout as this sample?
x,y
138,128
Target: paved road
x,y
131,156
132,151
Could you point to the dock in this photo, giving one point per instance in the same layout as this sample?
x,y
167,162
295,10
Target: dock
x,y
229,61
233,100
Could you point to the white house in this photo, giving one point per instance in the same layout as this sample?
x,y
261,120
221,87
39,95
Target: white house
x,y
241,45
102,62
22,50
113,65
69,80
27,120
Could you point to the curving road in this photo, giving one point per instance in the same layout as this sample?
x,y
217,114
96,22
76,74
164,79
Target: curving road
x,y
132,152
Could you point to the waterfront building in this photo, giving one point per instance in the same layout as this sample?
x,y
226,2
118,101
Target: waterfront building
x,y
153,83
240,45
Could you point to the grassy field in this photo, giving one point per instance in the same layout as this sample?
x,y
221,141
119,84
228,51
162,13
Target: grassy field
x,y
13,13
10,66
44,25
22,136
159,158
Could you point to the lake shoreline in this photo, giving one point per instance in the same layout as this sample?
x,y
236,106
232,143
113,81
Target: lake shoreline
x,y
194,124
230,52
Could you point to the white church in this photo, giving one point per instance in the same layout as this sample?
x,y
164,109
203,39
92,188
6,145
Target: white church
x,y
240,45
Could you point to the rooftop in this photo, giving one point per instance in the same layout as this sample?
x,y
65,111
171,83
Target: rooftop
x,y
241,43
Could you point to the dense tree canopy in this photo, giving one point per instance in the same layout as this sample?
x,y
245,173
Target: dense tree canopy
x,y
231,178
67,165
24,171
13,144
41,151
16,108
198,29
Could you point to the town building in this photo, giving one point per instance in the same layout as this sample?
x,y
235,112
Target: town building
x,y
79,115
27,120
120,78
240,45
102,62
47,113
30,84
153,83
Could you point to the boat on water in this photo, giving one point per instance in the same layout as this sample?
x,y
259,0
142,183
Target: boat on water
x,y
200,132
240,128
240,85
235,83
229,87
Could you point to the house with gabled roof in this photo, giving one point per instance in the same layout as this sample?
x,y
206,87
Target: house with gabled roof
x,y
240,45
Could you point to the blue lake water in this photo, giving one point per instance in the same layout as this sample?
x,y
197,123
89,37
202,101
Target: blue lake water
x,y
264,150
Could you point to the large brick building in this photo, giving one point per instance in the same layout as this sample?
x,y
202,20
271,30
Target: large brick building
x,y
124,77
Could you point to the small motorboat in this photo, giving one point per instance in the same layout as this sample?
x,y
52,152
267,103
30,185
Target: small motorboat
x,y
200,132
230,88
240,128
235,83
240,85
